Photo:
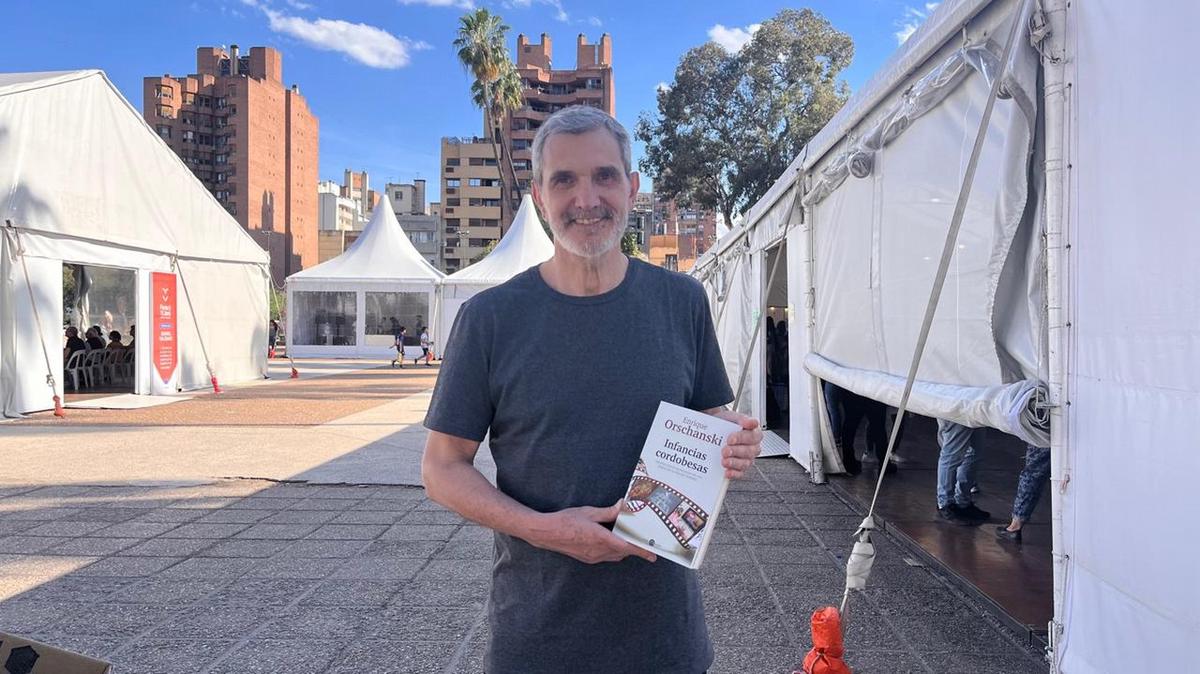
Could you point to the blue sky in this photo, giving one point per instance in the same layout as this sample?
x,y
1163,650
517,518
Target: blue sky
x,y
381,75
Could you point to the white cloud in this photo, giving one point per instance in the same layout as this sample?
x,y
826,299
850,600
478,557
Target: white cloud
x,y
296,4
733,39
595,21
662,86
912,19
364,43
461,4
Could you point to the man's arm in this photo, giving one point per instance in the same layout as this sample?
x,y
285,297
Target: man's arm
x,y
451,479
741,447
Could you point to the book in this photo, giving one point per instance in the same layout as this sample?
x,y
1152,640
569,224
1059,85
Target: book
x,y
677,487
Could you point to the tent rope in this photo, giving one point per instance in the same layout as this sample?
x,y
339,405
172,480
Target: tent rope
x,y
37,319
858,567
212,376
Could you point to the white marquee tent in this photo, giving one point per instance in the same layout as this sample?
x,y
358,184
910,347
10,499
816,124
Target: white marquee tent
x,y
1071,311
523,246
353,305
84,181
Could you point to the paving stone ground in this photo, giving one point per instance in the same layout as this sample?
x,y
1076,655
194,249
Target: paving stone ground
x,y
254,576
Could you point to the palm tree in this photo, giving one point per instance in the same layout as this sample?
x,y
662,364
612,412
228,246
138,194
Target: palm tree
x,y
497,88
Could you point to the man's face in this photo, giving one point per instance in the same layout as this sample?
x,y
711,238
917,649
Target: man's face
x,y
584,193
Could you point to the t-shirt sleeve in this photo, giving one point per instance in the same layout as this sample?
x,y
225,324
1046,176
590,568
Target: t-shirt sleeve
x,y
711,385
462,402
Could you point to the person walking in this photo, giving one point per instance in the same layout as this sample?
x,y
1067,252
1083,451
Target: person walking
x,y
531,364
425,352
398,361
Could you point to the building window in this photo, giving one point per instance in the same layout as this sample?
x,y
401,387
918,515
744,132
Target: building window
x,y
232,208
453,162
480,161
220,177
187,119
189,98
454,182
222,103
188,136
163,130
223,195
163,92
455,202
165,111
399,195
520,144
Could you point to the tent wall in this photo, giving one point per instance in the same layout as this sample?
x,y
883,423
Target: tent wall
x,y
879,239
362,347
231,305
22,364
1133,370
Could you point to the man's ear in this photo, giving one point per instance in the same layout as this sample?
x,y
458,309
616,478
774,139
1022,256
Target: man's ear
x,y
634,184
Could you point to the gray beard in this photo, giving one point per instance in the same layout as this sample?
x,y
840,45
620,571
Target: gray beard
x,y
590,249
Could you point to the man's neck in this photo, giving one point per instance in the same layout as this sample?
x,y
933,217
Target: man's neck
x,y
581,277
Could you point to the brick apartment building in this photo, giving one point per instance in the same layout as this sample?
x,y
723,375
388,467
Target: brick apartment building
x,y
473,212
253,143
679,236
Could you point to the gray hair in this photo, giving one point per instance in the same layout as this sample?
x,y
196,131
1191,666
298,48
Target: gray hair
x,y
576,120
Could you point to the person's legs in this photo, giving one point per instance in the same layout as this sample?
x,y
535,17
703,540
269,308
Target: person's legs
x,y
955,442
877,431
852,415
1032,480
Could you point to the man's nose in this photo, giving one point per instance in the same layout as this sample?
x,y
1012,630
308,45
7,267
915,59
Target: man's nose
x,y
586,195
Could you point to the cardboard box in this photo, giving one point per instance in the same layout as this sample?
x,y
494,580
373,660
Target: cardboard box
x,y
24,656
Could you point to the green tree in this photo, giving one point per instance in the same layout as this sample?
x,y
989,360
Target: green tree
x,y
729,124
496,88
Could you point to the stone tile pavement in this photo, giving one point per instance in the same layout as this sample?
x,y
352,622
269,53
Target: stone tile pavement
x,y
256,576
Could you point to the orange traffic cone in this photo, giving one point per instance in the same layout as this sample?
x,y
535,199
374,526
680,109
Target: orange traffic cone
x,y
216,388
58,408
826,654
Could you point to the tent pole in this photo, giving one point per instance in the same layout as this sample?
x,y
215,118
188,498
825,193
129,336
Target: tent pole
x,y
37,319
1058,316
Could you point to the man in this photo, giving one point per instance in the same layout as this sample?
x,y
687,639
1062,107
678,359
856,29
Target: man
x,y
533,363
956,473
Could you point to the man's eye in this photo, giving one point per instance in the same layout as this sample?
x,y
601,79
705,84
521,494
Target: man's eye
x,y
562,180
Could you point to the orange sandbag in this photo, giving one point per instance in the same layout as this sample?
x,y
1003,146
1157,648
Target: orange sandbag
x,y
826,654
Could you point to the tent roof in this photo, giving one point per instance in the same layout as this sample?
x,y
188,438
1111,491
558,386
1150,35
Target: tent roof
x,y
381,253
523,246
79,161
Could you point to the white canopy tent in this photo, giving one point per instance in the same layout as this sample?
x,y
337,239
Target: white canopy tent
x,y
84,181
523,246
353,305
1070,315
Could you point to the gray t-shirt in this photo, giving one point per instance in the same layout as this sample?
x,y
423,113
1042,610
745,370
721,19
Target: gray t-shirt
x,y
568,388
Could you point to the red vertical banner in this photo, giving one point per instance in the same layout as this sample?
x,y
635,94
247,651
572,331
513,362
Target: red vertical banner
x,y
164,342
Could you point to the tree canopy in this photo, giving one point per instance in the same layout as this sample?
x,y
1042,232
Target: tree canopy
x,y
730,123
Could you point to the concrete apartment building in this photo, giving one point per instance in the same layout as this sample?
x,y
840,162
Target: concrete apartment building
x,y
473,213
470,200
251,140
344,210
423,229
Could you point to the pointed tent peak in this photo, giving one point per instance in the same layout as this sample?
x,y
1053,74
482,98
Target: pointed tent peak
x,y
523,246
382,252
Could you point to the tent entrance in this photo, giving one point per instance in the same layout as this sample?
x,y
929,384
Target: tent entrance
x,y
1015,580
775,346
100,303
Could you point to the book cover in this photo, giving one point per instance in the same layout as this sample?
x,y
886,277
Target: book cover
x,y
677,488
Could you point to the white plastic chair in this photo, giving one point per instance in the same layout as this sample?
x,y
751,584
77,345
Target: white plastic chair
x,y
93,367
74,368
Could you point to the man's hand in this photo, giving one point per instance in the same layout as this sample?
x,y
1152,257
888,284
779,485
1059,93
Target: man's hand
x,y
737,456
580,534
